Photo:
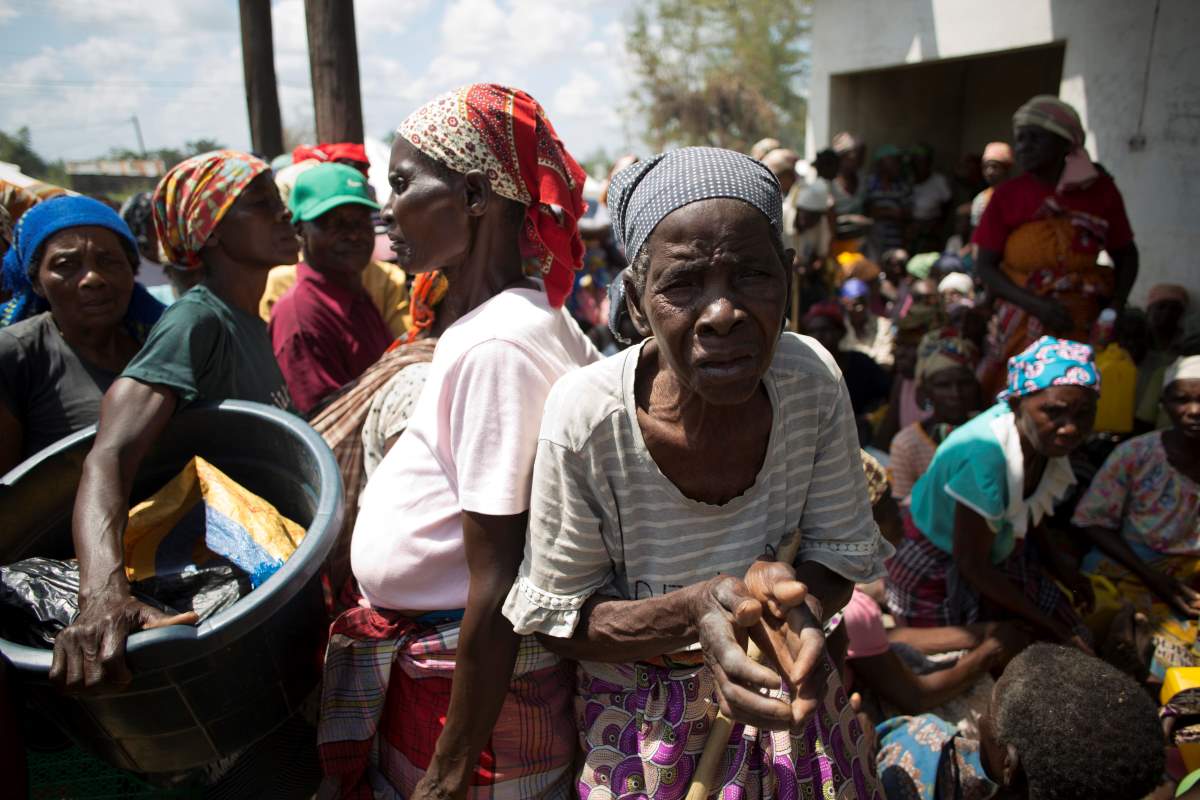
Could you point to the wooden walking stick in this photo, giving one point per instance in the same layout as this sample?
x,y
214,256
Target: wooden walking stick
x,y
718,735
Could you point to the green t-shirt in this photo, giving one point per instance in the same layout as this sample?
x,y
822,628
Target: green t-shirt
x,y
204,349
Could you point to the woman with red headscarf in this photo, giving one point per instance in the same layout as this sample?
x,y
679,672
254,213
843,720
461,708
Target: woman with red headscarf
x,y
417,695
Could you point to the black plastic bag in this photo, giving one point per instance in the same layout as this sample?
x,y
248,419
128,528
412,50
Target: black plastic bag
x,y
40,596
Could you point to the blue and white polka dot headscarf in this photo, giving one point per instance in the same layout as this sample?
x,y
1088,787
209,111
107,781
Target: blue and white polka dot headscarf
x,y
642,194
1051,362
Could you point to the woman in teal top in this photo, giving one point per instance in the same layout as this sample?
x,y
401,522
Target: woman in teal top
x,y
976,547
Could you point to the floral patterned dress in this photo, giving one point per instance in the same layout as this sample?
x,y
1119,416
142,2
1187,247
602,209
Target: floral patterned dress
x,y
1156,508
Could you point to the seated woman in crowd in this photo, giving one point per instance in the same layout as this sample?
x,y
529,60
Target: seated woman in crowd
x,y
1041,235
867,382
975,547
637,543
902,678
417,697
1060,724
946,384
218,212
1143,512
866,332
903,406
75,256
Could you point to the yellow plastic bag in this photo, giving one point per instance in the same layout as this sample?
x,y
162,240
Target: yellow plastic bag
x,y
202,514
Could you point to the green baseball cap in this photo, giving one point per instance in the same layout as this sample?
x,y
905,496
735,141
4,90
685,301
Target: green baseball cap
x,y
325,187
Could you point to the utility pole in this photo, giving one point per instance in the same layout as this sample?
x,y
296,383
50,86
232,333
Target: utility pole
x,y
137,128
333,62
258,68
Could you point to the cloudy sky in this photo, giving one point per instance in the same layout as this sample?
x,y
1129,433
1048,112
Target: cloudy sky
x,y
76,71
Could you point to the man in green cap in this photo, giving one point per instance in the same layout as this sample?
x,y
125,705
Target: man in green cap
x,y
325,330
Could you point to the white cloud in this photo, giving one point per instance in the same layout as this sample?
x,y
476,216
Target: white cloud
x,y
162,17
177,65
387,16
515,32
577,97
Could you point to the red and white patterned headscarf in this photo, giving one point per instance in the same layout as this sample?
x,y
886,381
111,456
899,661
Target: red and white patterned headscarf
x,y
505,134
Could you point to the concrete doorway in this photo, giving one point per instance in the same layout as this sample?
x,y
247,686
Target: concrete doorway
x,y
955,105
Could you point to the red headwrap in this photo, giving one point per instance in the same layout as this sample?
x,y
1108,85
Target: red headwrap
x,y
505,134
334,151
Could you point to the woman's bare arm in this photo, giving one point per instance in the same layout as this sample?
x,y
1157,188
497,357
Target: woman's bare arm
x,y
718,613
487,652
1051,313
972,547
91,650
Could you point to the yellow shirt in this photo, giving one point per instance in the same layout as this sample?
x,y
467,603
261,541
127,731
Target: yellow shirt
x,y
385,283
1118,388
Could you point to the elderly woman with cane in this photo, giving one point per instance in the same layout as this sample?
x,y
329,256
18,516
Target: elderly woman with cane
x,y
667,473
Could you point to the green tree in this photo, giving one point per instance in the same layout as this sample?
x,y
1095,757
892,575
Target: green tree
x,y
18,149
720,72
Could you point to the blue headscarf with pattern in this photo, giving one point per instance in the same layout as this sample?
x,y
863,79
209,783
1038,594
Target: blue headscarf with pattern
x,y
1051,362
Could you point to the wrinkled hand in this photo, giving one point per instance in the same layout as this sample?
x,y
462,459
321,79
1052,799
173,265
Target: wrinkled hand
x,y
1183,599
790,633
1055,318
723,613
91,651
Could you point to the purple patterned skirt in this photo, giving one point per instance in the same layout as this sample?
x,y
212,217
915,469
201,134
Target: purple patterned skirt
x,y
643,728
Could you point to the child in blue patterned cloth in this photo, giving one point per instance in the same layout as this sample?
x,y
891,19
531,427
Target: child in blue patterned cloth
x,y
1062,726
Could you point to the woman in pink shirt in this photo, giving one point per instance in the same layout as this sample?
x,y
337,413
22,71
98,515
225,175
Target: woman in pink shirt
x,y
417,698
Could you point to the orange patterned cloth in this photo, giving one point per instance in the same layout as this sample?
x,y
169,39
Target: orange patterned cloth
x,y
427,291
1049,239
193,197
1039,258
505,134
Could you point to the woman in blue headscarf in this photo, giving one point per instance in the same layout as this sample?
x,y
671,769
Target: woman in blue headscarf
x,y
74,320
976,548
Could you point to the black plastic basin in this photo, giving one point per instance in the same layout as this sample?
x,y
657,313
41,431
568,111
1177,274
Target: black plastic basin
x,y
205,692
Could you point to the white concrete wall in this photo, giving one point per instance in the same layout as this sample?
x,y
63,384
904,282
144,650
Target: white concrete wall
x,y
1104,72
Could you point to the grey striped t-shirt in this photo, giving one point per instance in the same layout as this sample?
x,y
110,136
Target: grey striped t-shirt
x,y
603,518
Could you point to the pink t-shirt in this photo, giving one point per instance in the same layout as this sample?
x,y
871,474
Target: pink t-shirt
x,y
469,446
865,633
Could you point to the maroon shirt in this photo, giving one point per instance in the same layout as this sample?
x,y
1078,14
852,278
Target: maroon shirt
x,y
324,336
